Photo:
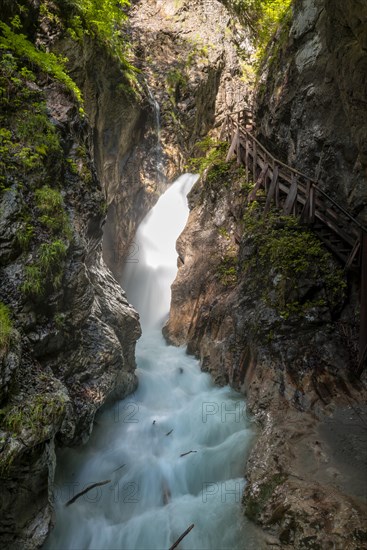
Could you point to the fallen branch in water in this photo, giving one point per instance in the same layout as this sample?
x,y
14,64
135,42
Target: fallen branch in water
x,y
182,537
119,468
86,490
188,453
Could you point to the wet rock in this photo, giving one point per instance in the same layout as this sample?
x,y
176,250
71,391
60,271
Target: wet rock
x,y
10,225
9,362
311,105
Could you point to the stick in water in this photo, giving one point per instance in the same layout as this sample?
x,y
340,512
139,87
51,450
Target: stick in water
x,y
86,490
119,468
188,453
182,537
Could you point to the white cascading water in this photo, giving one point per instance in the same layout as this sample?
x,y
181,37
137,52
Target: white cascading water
x,y
174,452
158,148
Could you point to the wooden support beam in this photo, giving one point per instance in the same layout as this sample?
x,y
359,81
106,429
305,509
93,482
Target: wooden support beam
x,y
363,322
238,149
247,157
254,160
233,146
353,254
311,212
272,189
291,198
252,195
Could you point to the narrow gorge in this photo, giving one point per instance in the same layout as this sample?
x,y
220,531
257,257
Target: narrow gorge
x,y
169,362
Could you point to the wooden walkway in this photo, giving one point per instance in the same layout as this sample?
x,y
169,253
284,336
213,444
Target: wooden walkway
x,y
297,194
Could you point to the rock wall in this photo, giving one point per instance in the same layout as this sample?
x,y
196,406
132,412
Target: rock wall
x,y
282,338
276,332
188,53
311,101
72,342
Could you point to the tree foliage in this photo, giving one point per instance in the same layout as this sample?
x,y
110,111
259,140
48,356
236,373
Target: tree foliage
x,y
262,16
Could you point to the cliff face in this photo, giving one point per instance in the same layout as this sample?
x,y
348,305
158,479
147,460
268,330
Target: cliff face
x,y
262,305
188,53
267,309
70,346
311,103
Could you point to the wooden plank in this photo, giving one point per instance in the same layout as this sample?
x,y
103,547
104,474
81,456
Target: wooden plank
x,y
233,146
254,160
331,225
224,129
353,254
335,249
272,188
311,213
252,195
238,150
363,320
306,206
291,198
247,158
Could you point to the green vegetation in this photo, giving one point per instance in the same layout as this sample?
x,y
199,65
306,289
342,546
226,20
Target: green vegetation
x,y
264,18
255,503
5,326
29,142
53,215
286,254
35,415
46,269
176,82
31,153
104,20
46,62
227,270
211,155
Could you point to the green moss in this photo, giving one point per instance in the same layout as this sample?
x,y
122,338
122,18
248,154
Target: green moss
x,y
35,415
5,327
45,61
33,283
255,503
285,253
227,271
46,270
176,81
25,235
53,215
211,155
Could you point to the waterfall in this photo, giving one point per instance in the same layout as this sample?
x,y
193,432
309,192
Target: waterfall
x,y
174,452
158,146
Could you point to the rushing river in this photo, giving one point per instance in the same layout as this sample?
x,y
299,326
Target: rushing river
x,y
175,450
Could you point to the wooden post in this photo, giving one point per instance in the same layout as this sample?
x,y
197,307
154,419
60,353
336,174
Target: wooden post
x,y
363,323
291,197
254,161
238,147
311,216
272,189
246,156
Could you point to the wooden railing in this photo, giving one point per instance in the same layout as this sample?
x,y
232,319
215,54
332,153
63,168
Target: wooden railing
x,y
297,194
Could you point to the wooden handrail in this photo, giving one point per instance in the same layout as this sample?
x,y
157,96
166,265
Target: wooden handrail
x,y
345,236
298,173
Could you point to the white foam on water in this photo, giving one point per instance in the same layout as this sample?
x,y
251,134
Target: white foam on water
x,y
155,493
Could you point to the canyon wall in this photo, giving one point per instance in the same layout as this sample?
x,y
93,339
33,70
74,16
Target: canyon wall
x,y
266,308
311,103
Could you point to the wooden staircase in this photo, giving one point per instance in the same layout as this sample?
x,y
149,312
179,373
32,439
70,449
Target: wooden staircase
x,y
297,194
